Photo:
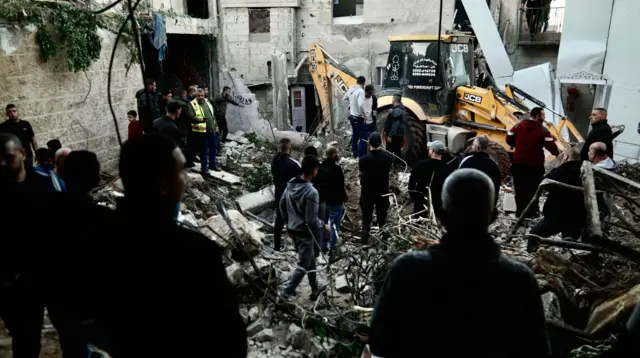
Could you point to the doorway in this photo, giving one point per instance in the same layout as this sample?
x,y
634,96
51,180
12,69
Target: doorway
x,y
190,60
304,108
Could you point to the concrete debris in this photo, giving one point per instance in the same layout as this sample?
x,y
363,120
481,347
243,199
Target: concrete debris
x,y
250,237
298,140
254,312
265,335
509,203
342,285
256,327
195,178
297,337
551,306
200,196
258,201
221,161
188,218
239,139
227,178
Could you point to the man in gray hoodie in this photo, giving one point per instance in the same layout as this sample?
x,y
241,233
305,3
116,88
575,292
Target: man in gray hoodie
x,y
299,208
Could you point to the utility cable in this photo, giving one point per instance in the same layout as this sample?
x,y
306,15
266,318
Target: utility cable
x,y
113,55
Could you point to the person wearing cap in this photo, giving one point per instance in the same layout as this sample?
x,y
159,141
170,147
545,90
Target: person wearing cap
x,y
530,138
479,159
429,173
374,183
395,128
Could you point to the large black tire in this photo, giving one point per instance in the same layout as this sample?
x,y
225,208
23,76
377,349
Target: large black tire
x,y
415,146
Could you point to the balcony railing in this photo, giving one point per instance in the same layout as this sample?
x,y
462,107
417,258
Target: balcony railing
x,y
541,26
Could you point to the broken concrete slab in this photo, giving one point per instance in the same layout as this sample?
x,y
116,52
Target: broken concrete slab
x,y
226,177
250,237
235,138
188,218
254,313
222,161
239,133
296,336
342,285
298,140
195,178
266,335
200,196
235,272
256,327
258,201
509,203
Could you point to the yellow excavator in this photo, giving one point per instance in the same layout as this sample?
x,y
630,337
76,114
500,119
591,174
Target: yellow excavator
x,y
439,94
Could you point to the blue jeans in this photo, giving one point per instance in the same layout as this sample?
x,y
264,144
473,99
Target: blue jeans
x,y
176,211
355,129
364,133
335,218
208,151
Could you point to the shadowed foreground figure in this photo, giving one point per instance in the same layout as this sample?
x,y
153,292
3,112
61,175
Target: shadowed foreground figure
x,y
462,293
162,273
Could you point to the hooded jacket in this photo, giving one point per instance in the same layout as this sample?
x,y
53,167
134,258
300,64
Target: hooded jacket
x,y
299,206
355,95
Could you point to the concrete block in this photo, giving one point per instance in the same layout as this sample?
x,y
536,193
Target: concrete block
x,y
341,284
258,201
226,177
251,238
509,203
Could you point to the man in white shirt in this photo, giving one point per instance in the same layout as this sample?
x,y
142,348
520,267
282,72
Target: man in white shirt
x,y
355,96
598,156
368,126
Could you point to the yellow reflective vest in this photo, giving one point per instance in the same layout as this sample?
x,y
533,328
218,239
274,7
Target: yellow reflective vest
x,y
201,122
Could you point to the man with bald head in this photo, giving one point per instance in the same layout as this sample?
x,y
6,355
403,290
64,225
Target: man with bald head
x,y
598,156
453,292
600,132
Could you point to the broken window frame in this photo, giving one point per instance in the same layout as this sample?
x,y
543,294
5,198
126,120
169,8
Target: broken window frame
x,y
348,12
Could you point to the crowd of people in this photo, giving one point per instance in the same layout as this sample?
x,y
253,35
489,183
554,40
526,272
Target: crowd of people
x,y
108,278
195,122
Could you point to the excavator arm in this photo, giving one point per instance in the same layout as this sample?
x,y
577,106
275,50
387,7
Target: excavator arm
x,y
328,75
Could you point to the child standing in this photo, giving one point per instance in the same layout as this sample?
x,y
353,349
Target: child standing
x,y
135,128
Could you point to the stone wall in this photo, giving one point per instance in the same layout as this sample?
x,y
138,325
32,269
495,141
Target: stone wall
x,y
69,106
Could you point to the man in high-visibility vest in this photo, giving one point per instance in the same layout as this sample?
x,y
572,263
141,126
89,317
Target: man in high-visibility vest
x,y
205,129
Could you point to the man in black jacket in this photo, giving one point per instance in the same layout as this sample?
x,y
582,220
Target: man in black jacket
x,y
168,125
335,197
439,280
564,210
479,159
200,303
22,191
395,128
220,103
283,168
429,173
184,124
374,185
148,105
600,132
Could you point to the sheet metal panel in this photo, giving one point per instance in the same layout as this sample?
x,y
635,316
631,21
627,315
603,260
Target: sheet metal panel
x,y
584,36
621,67
489,38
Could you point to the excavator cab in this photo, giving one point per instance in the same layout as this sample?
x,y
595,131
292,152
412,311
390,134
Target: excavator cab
x,y
414,71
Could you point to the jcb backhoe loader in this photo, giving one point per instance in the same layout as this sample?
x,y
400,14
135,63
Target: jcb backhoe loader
x,y
441,101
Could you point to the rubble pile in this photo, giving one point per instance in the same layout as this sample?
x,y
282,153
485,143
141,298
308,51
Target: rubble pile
x,y
587,293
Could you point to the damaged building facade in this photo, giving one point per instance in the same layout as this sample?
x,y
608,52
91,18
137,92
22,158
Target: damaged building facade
x,y
73,106
265,43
